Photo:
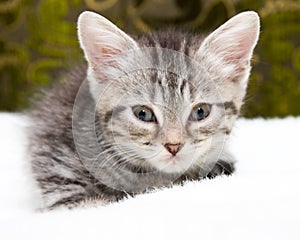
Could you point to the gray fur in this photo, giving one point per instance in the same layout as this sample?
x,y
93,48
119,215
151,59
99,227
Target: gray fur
x,y
85,151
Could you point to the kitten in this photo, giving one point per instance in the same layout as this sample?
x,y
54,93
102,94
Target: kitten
x,y
146,112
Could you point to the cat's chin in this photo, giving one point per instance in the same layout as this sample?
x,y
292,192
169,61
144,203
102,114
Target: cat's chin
x,y
171,165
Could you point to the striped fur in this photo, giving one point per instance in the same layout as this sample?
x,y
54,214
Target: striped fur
x,y
86,145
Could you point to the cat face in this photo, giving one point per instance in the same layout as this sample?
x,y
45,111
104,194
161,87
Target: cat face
x,y
144,122
163,109
169,127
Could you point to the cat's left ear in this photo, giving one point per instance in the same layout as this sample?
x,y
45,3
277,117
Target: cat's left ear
x,y
230,47
100,39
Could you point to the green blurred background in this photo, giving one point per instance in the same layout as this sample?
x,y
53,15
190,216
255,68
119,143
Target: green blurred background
x,y
38,43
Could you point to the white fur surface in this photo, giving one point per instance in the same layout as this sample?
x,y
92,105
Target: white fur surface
x,y
260,201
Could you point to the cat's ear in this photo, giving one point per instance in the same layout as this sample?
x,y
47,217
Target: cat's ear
x,y
100,39
230,47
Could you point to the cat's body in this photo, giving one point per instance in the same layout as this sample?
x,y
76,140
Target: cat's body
x,y
148,118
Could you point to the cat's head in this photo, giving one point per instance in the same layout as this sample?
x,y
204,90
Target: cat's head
x,y
169,109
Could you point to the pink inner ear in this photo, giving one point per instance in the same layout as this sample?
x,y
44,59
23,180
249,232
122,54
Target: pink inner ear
x,y
99,55
239,51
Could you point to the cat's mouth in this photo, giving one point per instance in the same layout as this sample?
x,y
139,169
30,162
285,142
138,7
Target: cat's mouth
x,y
173,159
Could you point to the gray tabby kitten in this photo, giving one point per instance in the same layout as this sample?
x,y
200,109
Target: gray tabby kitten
x,y
146,113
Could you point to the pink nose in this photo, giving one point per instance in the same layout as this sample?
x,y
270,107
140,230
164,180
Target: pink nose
x,y
173,148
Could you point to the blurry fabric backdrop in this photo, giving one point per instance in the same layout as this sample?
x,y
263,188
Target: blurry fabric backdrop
x,y
38,43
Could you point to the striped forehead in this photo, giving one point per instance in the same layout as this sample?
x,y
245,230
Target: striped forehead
x,y
169,89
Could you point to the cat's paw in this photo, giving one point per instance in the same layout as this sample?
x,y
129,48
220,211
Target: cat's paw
x,y
220,168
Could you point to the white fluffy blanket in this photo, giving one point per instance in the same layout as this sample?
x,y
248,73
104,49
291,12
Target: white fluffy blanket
x,y
260,201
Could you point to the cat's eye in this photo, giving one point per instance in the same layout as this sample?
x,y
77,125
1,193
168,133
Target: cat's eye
x,y
200,112
144,113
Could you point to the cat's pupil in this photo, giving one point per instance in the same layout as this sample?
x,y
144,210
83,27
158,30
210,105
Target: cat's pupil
x,y
200,113
142,115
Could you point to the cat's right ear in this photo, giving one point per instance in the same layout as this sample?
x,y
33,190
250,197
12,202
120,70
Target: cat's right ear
x,y
100,39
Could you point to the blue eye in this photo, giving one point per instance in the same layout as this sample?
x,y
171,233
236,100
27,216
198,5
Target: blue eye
x,y
200,112
144,114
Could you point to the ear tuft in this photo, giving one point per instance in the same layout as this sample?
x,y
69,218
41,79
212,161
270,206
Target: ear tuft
x,y
100,39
